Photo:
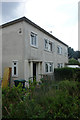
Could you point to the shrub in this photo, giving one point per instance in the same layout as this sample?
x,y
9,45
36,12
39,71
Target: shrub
x,y
66,73
42,103
70,86
73,61
11,97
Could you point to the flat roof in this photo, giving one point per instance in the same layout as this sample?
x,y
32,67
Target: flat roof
x,y
33,24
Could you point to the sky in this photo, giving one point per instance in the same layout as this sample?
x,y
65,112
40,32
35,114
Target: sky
x,y
58,16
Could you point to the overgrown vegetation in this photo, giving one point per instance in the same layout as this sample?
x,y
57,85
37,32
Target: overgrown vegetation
x,y
48,100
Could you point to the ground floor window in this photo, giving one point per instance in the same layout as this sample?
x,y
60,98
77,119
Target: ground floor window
x,y
60,65
48,67
15,68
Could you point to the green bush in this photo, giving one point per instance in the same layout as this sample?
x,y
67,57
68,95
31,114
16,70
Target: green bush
x,y
73,61
11,97
43,102
70,86
67,73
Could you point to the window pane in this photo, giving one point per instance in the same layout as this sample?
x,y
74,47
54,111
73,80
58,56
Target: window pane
x,y
33,39
58,49
51,67
46,44
50,46
14,70
58,65
46,67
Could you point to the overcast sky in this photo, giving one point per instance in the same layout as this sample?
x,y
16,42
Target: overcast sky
x,y
58,16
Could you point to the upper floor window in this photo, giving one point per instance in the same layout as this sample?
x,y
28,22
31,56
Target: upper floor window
x,y
34,39
15,68
66,52
48,45
59,50
48,67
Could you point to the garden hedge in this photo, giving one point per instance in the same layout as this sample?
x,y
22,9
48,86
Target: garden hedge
x,y
67,73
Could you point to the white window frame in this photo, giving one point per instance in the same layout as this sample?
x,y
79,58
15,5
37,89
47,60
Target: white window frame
x,y
47,43
59,50
49,64
34,43
66,52
60,65
50,48
13,65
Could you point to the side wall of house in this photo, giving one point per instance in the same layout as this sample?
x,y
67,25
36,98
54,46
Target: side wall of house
x,y
12,47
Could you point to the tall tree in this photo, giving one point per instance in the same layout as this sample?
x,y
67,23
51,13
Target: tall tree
x,y
73,54
70,52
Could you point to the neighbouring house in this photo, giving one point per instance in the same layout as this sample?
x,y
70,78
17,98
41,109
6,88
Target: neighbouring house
x,y
73,66
30,50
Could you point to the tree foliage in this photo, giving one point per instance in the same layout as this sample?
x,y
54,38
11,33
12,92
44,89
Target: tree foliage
x,y
73,54
73,61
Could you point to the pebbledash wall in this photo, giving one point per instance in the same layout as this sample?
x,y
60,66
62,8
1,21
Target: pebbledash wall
x,y
30,50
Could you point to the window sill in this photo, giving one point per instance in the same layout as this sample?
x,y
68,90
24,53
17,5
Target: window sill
x,y
14,76
48,73
48,51
34,46
59,53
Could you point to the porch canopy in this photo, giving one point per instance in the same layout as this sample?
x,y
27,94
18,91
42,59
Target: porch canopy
x,y
35,60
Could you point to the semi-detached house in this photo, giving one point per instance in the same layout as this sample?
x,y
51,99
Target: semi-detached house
x,y
30,50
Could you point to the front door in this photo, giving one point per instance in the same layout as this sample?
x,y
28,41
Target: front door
x,y
34,69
